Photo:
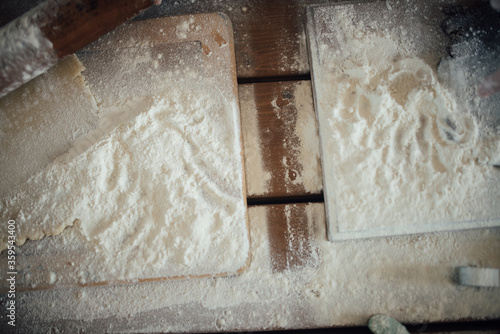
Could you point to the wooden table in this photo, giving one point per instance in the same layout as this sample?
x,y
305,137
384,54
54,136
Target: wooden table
x,y
272,61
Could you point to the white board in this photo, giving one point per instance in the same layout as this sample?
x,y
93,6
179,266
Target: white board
x,y
397,158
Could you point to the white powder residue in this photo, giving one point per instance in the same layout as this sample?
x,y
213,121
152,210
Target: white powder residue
x,y
302,59
182,30
160,193
409,278
154,190
25,51
472,60
284,110
400,156
294,113
257,177
298,62
306,130
52,277
37,125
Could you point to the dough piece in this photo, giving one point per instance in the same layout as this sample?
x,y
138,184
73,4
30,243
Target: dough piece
x,y
40,120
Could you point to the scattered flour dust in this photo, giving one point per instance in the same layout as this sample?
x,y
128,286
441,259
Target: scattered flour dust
x,y
295,61
306,129
400,157
408,277
301,143
160,195
257,177
184,28
26,51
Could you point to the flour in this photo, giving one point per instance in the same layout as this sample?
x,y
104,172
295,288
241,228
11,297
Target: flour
x,y
257,177
151,181
301,143
289,36
306,130
26,52
153,190
36,127
298,62
473,56
300,162
408,277
401,156
182,30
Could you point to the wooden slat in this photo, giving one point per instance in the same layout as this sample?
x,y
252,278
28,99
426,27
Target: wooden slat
x,y
287,136
290,237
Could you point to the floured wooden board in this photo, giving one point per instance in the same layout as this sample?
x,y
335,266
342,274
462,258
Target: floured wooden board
x,y
398,156
148,184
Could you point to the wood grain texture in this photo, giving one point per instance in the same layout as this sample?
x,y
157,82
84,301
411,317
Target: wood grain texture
x,y
34,42
290,237
269,35
75,24
285,138
265,33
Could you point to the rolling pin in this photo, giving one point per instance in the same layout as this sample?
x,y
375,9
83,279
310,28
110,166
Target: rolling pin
x,y
37,40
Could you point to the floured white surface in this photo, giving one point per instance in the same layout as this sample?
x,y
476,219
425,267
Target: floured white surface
x,y
154,198
398,155
343,283
154,191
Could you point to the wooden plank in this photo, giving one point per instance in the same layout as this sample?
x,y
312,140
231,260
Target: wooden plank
x,y
283,139
290,237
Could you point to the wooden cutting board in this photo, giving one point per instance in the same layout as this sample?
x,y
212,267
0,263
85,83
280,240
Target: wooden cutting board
x,y
199,44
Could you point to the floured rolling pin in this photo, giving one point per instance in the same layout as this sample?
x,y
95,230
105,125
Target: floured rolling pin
x,y
36,41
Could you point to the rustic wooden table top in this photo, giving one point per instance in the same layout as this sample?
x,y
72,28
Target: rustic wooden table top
x,y
273,70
